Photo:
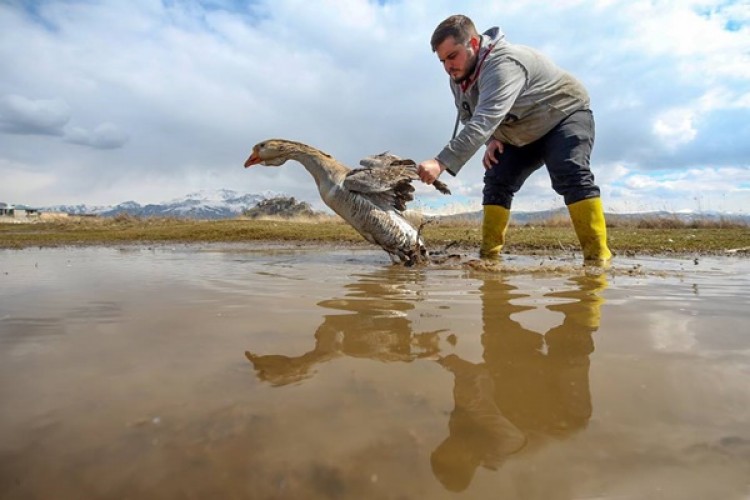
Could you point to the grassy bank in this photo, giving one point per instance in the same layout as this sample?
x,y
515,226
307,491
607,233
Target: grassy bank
x,y
638,237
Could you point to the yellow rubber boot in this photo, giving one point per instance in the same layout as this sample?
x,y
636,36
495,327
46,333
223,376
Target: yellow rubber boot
x,y
588,221
494,224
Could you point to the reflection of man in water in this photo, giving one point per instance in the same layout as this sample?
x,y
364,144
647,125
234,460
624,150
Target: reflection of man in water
x,y
528,384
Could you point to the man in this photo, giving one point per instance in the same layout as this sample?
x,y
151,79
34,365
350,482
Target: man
x,y
529,113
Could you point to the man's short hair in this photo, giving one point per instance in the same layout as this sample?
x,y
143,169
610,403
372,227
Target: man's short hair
x,y
460,27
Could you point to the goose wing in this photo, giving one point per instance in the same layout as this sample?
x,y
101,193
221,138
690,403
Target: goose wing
x,y
380,160
386,187
388,160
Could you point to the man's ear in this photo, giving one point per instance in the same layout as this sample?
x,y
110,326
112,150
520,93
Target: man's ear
x,y
474,43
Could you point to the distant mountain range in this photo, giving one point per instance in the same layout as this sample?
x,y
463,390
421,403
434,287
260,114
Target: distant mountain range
x,y
226,203
205,204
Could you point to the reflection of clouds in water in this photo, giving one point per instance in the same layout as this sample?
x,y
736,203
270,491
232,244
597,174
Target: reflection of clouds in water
x,y
100,311
26,334
682,317
529,382
371,322
671,333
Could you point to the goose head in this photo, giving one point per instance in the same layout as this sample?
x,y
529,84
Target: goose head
x,y
271,153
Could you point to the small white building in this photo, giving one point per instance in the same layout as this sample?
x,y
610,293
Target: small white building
x,y
18,211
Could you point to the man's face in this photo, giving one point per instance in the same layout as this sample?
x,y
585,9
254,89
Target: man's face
x,y
458,59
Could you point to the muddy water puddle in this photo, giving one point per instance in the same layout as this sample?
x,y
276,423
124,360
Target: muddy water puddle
x,y
252,372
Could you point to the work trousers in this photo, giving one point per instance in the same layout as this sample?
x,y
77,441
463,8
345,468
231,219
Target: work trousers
x,y
566,152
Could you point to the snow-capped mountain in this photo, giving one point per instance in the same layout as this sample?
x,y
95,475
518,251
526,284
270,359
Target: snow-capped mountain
x,y
226,203
204,204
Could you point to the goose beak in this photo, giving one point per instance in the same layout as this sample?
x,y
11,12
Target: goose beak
x,y
253,160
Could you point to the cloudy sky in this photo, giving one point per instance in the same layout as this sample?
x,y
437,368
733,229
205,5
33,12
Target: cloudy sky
x,y
147,100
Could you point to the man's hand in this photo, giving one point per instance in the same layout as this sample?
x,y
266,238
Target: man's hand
x,y
494,148
430,170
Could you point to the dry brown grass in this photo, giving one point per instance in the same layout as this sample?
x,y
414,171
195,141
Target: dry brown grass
x,y
302,219
667,222
559,219
562,220
546,236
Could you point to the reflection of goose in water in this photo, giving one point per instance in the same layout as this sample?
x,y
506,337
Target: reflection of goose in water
x,y
370,199
528,385
374,326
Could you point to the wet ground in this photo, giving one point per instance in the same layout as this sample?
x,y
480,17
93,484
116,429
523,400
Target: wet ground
x,y
250,372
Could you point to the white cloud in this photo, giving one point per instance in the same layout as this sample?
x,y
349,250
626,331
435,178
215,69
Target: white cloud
x,y
724,189
20,115
23,181
23,116
675,127
104,136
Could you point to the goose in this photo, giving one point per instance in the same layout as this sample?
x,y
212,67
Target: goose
x,y
371,199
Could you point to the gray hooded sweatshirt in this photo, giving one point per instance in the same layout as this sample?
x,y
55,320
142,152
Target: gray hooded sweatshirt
x,y
515,95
